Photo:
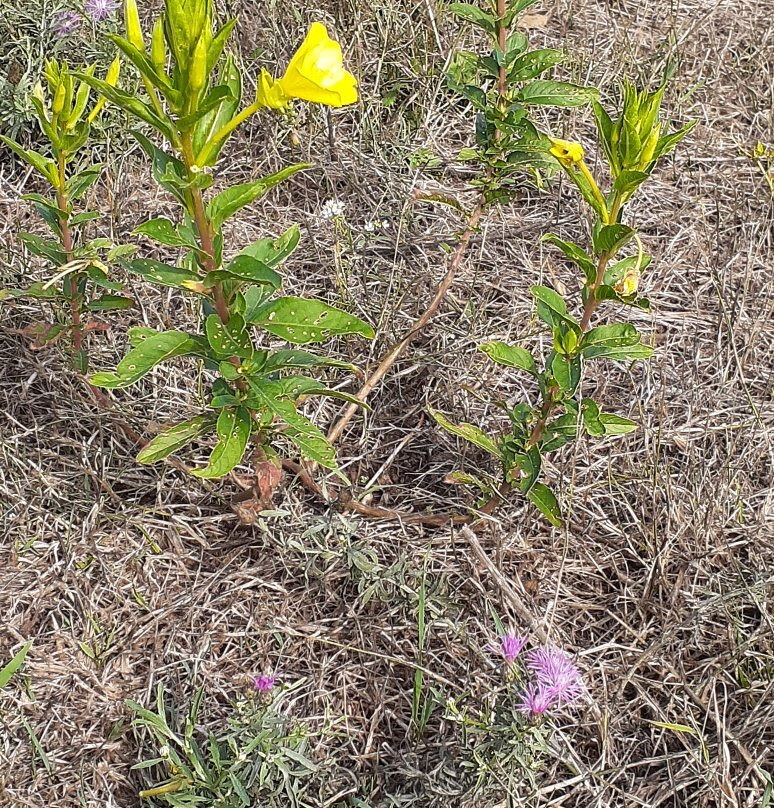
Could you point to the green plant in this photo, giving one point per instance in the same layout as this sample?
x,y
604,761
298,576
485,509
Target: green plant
x,y
80,278
259,759
632,146
194,98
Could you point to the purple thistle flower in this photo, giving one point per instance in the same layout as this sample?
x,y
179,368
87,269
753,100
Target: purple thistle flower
x,y
511,646
536,700
99,10
555,669
67,23
264,684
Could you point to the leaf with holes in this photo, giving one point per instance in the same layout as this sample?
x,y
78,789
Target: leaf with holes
x,y
166,275
174,438
245,268
552,309
150,352
292,358
470,433
230,339
296,386
273,251
303,321
163,231
545,92
234,426
614,341
302,432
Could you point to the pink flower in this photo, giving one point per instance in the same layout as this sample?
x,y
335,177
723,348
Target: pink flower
x,y
67,23
264,684
555,670
511,646
536,700
99,10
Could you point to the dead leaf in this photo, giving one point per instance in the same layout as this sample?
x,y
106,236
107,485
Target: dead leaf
x,y
533,21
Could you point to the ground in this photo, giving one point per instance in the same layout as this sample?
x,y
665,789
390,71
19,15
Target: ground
x,y
662,582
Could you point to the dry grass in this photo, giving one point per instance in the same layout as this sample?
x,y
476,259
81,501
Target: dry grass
x,y
664,581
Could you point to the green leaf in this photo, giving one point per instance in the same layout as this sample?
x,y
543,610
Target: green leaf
x,y
296,386
302,321
532,64
292,358
545,92
515,8
668,142
576,254
616,271
566,371
606,292
218,117
614,341
510,356
529,464
590,412
624,352
163,231
229,340
110,303
559,432
44,248
628,181
616,424
175,437
544,500
80,182
228,202
129,103
552,309
470,433
474,14
273,251
245,268
151,351
213,100
168,171
165,275
7,671
611,237
234,426
44,165
605,130
302,432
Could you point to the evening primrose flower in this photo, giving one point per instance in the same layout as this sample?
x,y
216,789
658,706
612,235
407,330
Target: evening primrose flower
x,y
629,284
567,152
316,72
270,93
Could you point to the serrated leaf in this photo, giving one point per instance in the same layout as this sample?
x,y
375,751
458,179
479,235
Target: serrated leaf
x,y
230,339
576,254
544,500
545,92
175,437
233,427
552,309
510,356
302,432
153,350
302,321
470,433
228,202
616,424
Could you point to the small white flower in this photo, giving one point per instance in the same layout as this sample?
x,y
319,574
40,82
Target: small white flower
x,y
331,209
369,227
164,752
385,224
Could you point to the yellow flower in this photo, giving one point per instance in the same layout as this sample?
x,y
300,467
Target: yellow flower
x,y
566,152
316,72
629,284
270,92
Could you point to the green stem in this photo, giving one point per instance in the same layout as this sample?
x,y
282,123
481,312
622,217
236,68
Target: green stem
x,y
67,243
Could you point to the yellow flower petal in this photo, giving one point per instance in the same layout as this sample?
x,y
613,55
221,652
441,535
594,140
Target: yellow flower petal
x,y
316,72
270,93
566,152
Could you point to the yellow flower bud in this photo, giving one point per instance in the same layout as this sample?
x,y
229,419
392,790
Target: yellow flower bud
x,y
39,92
629,284
316,72
270,92
567,152
112,79
133,27
197,72
159,47
59,98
